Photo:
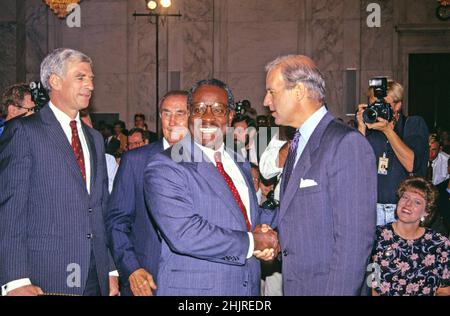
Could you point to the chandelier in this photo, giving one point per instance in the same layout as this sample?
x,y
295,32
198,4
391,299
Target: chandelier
x,y
59,7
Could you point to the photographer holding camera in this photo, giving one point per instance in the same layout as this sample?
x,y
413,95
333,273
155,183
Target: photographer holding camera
x,y
400,143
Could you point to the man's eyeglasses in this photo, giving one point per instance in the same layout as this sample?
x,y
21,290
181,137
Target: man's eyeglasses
x,y
28,110
132,145
166,115
217,109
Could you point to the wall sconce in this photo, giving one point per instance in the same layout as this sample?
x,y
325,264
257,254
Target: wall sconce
x,y
153,4
443,10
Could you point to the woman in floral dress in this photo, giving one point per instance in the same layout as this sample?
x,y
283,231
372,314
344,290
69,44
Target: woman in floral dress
x,y
408,258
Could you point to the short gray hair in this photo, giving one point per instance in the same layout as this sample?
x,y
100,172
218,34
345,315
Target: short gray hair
x,y
55,63
300,69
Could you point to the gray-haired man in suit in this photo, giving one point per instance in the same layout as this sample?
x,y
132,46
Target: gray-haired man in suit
x,y
54,189
326,220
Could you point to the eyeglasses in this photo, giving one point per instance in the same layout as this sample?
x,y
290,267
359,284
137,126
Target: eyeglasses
x,y
28,110
132,145
178,115
217,109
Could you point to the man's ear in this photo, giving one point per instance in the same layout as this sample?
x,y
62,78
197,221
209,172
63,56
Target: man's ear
x,y
11,110
230,117
300,91
55,82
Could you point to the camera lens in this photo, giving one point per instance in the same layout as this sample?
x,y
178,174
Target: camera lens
x,y
370,115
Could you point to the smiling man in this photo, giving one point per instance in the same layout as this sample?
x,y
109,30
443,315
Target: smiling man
x,y
54,190
204,203
132,234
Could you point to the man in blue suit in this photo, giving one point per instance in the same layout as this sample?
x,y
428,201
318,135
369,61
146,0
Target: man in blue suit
x,y
326,221
134,242
54,189
203,201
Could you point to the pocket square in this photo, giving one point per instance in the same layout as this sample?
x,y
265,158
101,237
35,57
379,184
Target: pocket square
x,y
305,183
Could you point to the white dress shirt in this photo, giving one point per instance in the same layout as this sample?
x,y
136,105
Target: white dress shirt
x,y
165,143
440,168
111,168
236,176
64,121
307,129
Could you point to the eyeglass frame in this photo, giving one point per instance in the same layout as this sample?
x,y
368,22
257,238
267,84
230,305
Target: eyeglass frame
x,y
197,104
33,109
167,115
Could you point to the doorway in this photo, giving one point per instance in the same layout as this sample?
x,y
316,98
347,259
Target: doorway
x,y
429,89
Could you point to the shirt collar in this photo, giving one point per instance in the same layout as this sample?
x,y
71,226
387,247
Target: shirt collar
x,y
210,152
311,123
165,143
62,117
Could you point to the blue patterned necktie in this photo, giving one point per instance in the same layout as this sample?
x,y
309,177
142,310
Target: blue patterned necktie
x,y
290,160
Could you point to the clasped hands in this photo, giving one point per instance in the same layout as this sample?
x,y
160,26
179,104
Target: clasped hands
x,y
266,242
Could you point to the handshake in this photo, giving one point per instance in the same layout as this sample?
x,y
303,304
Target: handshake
x,y
266,242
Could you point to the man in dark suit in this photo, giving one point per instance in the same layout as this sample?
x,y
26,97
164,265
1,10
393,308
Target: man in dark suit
x,y
132,235
54,190
203,201
112,144
326,219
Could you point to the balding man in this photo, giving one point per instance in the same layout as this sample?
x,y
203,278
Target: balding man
x,y
326,220
132,234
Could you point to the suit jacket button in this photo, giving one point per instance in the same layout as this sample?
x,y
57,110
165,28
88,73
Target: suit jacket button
x,y
89,236
90,210
244,284
285,252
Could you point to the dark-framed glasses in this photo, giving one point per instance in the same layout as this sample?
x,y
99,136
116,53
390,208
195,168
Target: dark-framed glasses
x,y
28,110
217,109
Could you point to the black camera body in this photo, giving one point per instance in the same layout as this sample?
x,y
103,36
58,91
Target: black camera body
x,y
379,108
270,203
39,95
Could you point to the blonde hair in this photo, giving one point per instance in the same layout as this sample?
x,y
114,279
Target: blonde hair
x,y
396,90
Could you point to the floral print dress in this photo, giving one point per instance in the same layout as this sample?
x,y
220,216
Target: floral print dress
x,y
410,267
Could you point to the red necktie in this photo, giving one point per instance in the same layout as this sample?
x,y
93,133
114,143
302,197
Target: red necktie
x,y
77,149
234,191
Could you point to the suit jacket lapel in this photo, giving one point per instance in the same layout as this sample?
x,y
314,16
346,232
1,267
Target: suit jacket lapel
x,y
304,163
211,176
59,139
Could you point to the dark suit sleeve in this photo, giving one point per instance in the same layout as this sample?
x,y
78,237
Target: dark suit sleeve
x,y
269,217
184,229
15,170
120,218
352,192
